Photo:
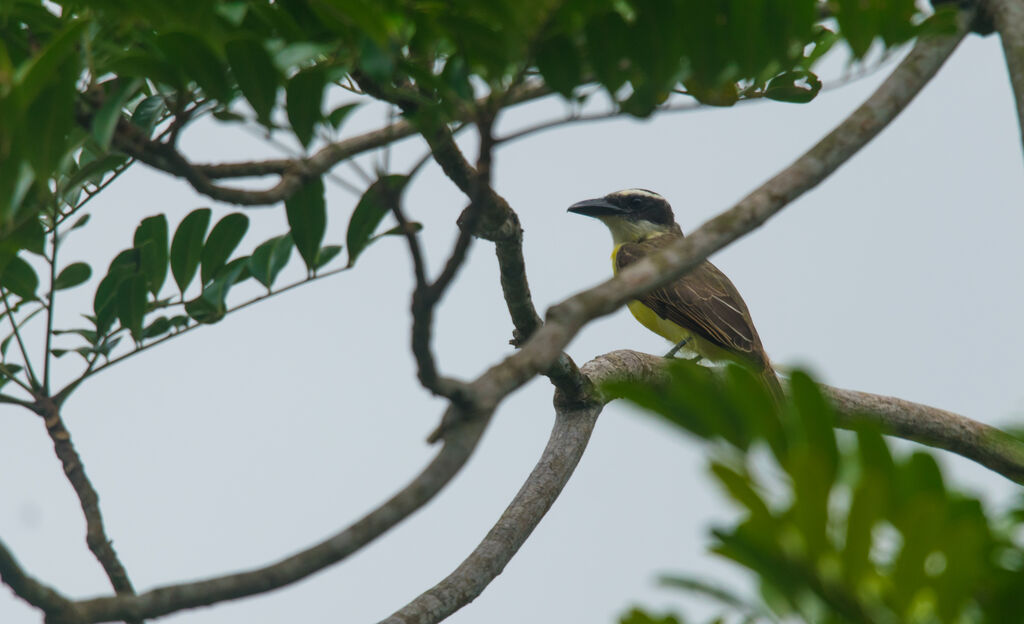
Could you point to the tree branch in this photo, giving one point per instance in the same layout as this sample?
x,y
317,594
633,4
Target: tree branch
x,y
293,173
164,600
986,445
95,534
27,588
574,422
544,348
1008,16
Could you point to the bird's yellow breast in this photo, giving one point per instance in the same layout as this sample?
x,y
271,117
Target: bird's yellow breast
x,y
665,328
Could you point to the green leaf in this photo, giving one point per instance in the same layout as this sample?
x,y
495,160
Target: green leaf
x,y
269,258
307,217
72,275
38,72
210,306
798,87
89,335
19,278
151,241
257,77
187,246
222,241
398,230
374,204
375,61
148,112
326,254
559,63
29,236
338,115
131,304
104,122
160,325
305,94
198,61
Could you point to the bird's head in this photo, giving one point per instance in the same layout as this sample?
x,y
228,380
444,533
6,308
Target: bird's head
x,y
631,215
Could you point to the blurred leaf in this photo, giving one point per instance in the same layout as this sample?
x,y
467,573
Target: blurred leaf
x,y
104,122
375,203
39,72
151,241
560,64
793,86
638,616
148,113
338,115
19,278
375,61
160,325
222,241
257,77
187,246
305,94
269,258
198,61
307,217
72,275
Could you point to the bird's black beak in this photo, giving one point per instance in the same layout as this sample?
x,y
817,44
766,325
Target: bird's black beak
x,y
596,208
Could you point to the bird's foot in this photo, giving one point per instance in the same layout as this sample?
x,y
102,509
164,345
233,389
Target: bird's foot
x,y
679,345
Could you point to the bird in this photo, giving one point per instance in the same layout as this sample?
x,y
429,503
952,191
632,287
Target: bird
x,y
702,309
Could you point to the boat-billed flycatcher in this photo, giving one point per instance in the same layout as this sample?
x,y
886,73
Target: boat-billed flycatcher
x,y
701,309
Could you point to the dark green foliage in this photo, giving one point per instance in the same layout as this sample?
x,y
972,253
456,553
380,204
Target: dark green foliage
x,y
269,258
375,203
838,530
187,246
256,75
305,94
307,217
222,241
151,241
19,278
72,275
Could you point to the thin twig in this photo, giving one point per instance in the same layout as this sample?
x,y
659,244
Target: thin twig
x,y
63,394
47,356
21,345
170,599
95,534
1008,16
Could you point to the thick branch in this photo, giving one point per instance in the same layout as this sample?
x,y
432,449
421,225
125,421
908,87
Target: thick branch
x,y
995,449
425,486
95,533
574,423
293,173
27,588
1008,16
544,348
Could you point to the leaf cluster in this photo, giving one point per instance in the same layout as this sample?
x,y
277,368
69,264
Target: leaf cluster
x,y
836,529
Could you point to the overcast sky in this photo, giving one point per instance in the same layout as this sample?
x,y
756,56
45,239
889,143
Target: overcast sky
x,y
237,444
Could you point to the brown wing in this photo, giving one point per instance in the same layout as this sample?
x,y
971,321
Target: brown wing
x,y
703,301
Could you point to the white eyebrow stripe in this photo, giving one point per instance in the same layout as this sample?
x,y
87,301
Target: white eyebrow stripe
x,y
637,191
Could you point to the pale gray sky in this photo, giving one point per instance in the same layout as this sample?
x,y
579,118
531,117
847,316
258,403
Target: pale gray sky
x,y
240,443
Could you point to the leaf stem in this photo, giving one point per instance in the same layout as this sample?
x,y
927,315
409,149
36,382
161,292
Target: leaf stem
x,y
21,345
